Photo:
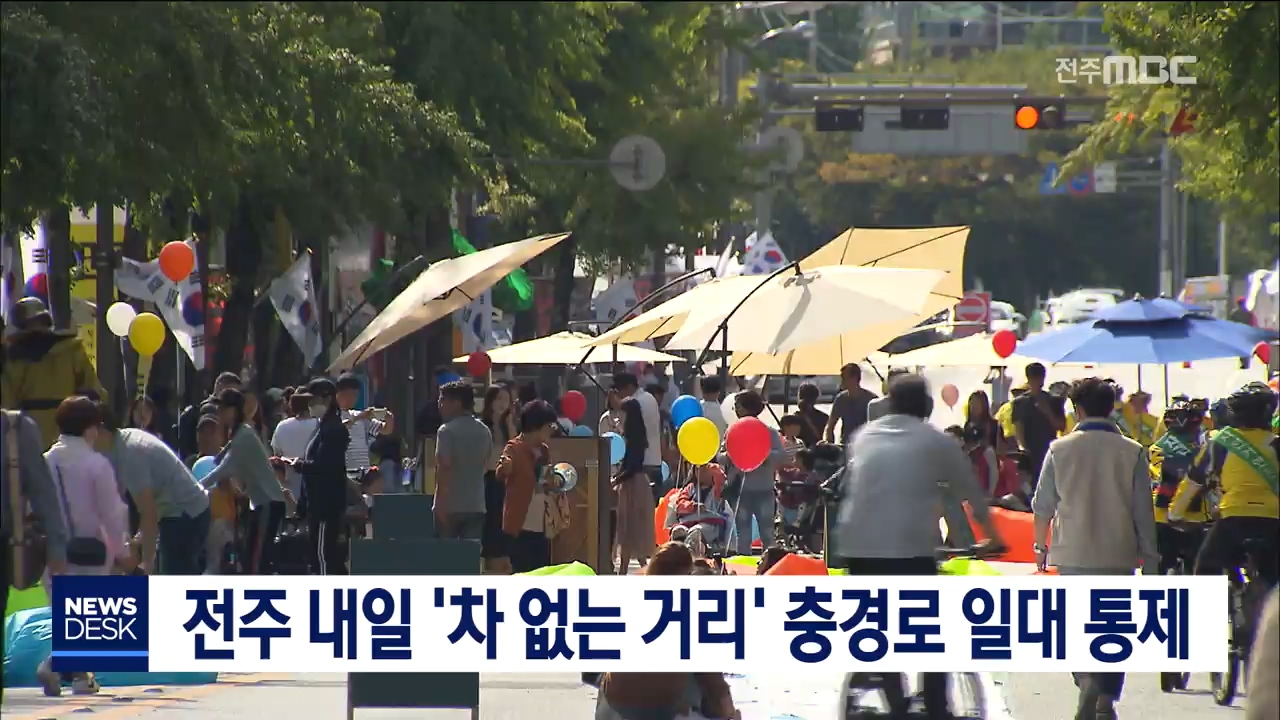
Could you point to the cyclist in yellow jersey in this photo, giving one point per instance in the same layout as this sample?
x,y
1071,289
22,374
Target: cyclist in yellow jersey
x,y
1172,456
1136,422
1240,462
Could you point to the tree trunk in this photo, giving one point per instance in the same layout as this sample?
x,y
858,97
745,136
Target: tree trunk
x,y
57,227
244,256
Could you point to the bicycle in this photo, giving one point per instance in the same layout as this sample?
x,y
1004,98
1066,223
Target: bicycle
x,y
1247,595
894,700
1177,681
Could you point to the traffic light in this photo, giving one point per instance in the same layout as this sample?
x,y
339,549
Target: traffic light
x,y
925,118
1040,115
838,119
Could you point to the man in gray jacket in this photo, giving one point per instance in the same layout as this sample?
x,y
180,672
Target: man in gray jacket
x,y
901,474
1094,495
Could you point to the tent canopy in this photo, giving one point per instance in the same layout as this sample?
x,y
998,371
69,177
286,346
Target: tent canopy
x,y
442,288
568,348
939,248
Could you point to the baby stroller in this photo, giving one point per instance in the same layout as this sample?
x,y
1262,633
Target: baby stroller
x,y
803,499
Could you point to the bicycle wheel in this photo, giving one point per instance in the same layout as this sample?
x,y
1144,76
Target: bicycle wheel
x,y
1174,681
1224,684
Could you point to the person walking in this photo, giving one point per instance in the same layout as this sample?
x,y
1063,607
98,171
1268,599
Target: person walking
x,y
96,517
1094,496
522,468
751,493
245,458
849,409
43,367
635,534
463,445
323,468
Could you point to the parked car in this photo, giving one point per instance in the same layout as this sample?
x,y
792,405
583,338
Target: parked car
x,y
1005,317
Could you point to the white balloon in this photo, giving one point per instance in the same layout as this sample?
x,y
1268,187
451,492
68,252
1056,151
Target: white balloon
x,y
119,316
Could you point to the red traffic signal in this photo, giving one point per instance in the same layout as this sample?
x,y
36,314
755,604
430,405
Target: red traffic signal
x,y
1040,115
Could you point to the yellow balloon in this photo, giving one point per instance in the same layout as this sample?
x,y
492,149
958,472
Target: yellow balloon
x,y
698,440
146,334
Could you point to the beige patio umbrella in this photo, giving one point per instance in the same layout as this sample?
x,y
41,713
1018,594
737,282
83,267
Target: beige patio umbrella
x,y
794,307
939,248
972,351
567,348
440,289
668,317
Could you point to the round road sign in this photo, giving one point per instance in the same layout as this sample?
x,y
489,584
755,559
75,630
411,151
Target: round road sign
x,y
973,308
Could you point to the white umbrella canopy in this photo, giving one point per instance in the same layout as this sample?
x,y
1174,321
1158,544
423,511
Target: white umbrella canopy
x,y
972,351
938,248
794,307
442,288
668,317
568,348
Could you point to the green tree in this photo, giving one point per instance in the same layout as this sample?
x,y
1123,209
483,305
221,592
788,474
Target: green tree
x,y
1233,156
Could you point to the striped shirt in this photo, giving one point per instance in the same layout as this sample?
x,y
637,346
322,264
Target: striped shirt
x,y
363,431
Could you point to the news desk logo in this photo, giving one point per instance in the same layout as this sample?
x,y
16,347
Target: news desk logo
x,y
99,624
1127,70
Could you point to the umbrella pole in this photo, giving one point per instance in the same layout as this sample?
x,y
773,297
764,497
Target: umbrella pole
x,y
1166,385
786,395
724,360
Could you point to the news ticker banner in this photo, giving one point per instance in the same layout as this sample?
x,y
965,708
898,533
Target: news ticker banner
x,y
639,624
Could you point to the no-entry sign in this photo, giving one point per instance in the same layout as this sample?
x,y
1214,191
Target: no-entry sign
x,y
974,308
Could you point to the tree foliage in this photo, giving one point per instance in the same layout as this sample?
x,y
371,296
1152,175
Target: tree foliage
x,y
1233,156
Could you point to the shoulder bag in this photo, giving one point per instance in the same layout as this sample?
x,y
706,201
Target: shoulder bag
x,y
27,543
82,550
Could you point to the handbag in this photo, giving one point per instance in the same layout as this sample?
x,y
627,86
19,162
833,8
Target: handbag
x,y
82,550
27,542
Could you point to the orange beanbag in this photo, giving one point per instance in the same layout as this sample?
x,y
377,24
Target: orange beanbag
x,y
799,565
660,532
1017,531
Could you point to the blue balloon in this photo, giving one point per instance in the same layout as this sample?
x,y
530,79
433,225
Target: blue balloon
x,y
617,447
685,407
580,431
203,467
666,472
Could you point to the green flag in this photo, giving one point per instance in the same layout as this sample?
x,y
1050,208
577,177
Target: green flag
x,y
512,294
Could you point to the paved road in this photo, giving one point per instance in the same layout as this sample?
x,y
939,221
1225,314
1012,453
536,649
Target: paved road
x,y
560,696
548,696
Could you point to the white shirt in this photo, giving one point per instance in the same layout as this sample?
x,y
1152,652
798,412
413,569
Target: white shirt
x,y
652,427
713,412
362,431
290,441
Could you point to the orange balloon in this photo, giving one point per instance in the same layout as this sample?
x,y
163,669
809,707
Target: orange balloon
x,y
177,260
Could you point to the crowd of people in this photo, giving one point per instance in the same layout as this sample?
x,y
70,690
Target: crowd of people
x,y
1110,486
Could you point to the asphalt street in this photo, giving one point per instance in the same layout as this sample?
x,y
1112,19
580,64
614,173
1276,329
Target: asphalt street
x,y
1023,696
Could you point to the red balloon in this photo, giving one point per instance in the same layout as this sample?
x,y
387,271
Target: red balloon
x,y
478,364
1263,351
748,442
177,261
1004,343
574,405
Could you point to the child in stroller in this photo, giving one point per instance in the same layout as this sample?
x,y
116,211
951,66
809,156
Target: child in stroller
x,y
801,498
697,516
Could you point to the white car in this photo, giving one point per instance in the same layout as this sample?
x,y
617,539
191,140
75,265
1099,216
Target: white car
x,y
1005,317
1077,306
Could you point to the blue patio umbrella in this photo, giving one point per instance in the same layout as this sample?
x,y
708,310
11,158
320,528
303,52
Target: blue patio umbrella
x,y
1145,332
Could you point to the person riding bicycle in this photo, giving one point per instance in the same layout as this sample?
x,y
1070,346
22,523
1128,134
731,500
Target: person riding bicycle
x,y
1240,462
1172,456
